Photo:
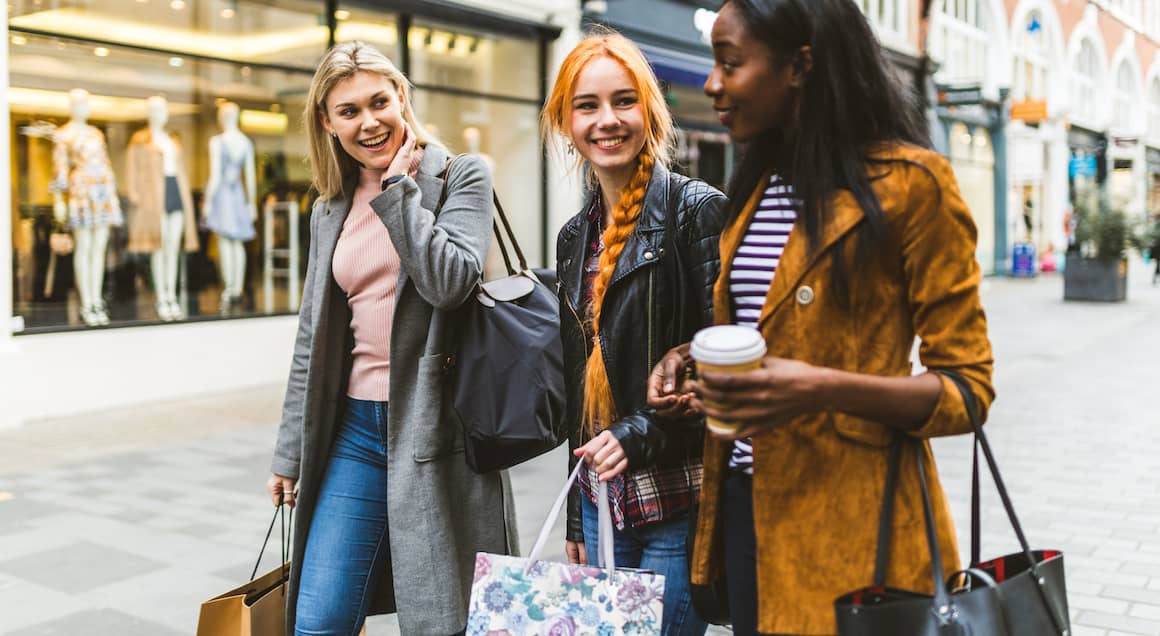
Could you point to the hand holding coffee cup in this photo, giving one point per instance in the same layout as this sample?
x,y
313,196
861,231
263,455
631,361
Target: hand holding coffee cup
x,y
726,349
669,392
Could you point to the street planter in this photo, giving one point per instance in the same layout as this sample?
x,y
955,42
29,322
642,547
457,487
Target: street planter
x,y
1095,279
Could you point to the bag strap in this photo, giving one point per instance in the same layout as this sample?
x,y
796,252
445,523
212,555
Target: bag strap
x,y
604,525
278,512
976,525
886,517
499,236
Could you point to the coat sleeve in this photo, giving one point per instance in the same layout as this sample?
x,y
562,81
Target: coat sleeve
x,y
442,256
288,448
942,275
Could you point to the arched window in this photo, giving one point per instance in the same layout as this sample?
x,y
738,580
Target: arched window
x,y
1125,94
1154,110
959,41
889,19
1030,79
1085,83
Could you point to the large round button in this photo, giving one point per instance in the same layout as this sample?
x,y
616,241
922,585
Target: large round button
x,y
805,294
648,255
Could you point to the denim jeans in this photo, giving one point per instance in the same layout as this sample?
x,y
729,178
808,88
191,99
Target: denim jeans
x,y
347,548
660,547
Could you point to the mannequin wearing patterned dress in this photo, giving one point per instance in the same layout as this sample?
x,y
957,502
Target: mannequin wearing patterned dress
x,y
85,195
230,208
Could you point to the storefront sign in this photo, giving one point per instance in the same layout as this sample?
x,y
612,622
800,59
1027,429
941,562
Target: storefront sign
x,y
1126,142
1029,110
959,95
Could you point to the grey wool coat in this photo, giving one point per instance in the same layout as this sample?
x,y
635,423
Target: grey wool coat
x,y
440,513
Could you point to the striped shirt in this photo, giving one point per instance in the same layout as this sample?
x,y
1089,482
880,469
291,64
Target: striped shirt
x,y
753,270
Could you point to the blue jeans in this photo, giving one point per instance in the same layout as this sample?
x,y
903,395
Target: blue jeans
x,y
660,547
347,549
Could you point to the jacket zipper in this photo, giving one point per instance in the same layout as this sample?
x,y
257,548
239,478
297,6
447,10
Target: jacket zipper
x,y
648,346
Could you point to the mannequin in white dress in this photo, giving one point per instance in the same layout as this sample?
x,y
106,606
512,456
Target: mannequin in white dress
x,y
230,208
85,197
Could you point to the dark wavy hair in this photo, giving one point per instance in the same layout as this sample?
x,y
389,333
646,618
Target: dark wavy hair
x,y
851,103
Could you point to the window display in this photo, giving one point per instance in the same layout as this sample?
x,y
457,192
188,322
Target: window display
x,y
158,157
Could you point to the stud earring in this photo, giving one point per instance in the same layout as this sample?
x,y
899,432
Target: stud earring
x,y
334,134
571,150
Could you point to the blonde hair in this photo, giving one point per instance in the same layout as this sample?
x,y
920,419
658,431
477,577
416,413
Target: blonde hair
x,y
329,163
599,409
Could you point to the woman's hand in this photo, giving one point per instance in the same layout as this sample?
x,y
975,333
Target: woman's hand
x,y
577,555
401,164
604,455
669,391
282,490
777,391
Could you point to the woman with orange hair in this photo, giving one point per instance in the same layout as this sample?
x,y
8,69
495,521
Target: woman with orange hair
x,y
636,269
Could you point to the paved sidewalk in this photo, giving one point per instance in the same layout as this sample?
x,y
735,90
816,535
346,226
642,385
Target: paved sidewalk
x,y
122,522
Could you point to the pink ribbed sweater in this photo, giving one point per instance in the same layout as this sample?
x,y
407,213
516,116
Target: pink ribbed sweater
x,y
366,267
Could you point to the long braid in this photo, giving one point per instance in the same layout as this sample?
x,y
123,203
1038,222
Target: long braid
x,y
599,408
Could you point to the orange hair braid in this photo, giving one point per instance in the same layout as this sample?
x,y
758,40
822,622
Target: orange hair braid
x,y
599,408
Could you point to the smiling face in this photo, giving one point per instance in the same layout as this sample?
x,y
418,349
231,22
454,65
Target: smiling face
x,y
365,111
751,92
607,124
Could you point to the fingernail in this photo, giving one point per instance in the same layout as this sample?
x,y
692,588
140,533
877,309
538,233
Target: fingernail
x,y
668,386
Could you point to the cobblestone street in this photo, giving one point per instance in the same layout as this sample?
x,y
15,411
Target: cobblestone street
x,y
123,522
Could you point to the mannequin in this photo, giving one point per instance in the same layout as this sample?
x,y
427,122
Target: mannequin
x,y
162,208
230,209
84,176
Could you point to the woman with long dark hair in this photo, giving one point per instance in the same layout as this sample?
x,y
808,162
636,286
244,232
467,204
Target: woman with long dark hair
x,y
847,239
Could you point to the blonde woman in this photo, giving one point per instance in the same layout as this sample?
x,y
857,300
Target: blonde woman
x,y
365,450
636,269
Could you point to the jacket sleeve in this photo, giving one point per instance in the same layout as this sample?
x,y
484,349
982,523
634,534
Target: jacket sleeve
x,y
288,448
700,227
942,277
442,256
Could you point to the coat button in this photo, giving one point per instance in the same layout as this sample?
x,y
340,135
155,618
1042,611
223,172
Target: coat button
x,y
805,295
649,255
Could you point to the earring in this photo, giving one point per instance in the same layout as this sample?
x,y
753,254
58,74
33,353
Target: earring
x,y
334,134
570,149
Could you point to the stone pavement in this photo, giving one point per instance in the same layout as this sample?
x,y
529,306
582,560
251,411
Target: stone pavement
x,y
122,522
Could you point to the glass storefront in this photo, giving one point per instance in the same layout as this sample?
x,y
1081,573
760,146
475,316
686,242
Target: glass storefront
x,y
972,157
110,98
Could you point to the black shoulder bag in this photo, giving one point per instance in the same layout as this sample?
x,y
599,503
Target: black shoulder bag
x,y
1021,594
506,375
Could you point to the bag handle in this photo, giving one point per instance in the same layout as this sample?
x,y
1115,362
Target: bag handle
x,y
604,525
278,512
499,236
976,524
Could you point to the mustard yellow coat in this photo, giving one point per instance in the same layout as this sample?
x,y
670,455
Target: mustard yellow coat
x,y
818,480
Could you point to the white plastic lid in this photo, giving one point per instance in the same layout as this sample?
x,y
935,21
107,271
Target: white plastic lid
x,y
725,345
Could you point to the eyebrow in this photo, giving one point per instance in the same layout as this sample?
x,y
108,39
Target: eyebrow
x,y
372,98
594,96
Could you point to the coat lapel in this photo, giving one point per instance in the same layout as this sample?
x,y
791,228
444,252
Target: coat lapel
x,y
329,229
730,242
798,259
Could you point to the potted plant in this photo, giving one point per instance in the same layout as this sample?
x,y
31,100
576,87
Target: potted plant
x,y
1097,264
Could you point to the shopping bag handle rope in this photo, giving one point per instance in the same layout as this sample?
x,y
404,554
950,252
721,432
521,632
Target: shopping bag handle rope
x,y
279,511
604,540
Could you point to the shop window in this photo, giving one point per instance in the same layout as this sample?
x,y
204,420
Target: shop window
x,y
506,134
457,58
100,234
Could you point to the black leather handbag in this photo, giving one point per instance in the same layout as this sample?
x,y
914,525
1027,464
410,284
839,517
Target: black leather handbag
x,y
1022,594
506,376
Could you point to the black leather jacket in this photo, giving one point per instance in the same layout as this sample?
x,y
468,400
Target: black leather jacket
x,y
655,301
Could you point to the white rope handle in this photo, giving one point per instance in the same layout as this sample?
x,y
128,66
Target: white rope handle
x,y
604,525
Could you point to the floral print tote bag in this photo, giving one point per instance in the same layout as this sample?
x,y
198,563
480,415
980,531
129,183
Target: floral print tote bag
x,y
515,596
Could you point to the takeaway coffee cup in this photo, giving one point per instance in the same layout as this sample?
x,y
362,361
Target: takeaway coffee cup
x,y
726,349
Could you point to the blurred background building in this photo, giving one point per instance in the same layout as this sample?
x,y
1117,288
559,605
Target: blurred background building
x,y
1037,103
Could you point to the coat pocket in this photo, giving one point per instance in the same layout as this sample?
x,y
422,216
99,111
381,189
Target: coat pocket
x,y
437,429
